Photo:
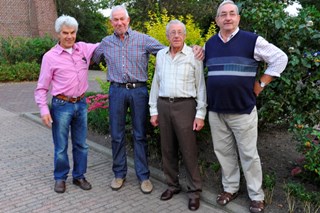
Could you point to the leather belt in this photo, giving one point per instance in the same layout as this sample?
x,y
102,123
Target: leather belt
x,y
171,100
132,85
70,99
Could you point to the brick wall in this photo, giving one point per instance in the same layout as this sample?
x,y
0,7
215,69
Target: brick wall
x,y
27,18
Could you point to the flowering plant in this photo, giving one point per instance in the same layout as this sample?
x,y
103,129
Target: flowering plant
x,y
98,112
98,101
309,147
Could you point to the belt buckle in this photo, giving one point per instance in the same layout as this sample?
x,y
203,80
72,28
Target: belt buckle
x,y
171,100
130,86
73,100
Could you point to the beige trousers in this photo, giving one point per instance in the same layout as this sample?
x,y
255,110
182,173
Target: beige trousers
x,y
234,134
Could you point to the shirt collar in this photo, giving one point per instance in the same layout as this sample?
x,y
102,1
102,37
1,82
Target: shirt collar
x,y
128,33
184,49
231,36
61,49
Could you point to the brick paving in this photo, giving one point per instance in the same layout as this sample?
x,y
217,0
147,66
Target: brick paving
x,y
26,164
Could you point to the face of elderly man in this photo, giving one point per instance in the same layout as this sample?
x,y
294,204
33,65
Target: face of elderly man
x,y
228,18
67,36
176,36
120,22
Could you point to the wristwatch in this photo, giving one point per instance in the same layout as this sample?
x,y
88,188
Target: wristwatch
x,y
262,84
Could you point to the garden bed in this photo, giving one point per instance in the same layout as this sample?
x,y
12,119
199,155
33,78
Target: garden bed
x,y
278,154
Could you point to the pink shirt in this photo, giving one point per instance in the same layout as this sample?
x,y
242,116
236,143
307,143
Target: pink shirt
x,y
63,73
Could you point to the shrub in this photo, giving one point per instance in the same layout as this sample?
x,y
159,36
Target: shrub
x,y
308,145
21,49
294,98
23,71
20,57
295,92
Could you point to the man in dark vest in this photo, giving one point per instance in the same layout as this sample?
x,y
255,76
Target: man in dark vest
x,y
232,58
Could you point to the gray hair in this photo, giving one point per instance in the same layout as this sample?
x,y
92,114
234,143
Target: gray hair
x,y
224,3
175,22
119,7
65,20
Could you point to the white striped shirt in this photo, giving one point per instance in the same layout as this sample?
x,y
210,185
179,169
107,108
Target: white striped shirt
x,y
178,77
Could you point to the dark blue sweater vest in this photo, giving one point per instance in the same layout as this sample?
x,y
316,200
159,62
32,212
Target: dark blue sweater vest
x,y
232,71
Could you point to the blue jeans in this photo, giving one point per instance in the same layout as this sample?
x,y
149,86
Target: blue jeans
x,y
66,115
120,99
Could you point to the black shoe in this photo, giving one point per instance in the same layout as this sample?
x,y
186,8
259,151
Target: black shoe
x,y
60,186
194,204
167,195
82,183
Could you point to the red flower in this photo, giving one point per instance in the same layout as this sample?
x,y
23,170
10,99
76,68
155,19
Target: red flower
x,y
297,170
99,101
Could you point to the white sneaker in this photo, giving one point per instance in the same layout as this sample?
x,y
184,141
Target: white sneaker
x,y
146,186
117,183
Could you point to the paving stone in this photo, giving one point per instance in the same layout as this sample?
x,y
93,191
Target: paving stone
x,y
26,166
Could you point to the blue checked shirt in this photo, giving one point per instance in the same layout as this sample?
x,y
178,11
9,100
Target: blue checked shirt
x,y
127,60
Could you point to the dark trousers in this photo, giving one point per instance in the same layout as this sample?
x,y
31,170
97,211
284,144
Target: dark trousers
x,y
176,123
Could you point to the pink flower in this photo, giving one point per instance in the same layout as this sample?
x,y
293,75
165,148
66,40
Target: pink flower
x,y
98,101
297,170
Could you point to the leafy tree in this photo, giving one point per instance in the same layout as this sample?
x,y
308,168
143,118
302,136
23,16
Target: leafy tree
x,y
202,11
92,26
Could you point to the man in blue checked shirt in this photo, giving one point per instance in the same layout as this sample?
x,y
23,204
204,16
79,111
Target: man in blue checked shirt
x,y
126,53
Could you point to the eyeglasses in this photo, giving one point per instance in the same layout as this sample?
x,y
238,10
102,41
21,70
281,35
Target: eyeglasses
x,y
225,15
173,33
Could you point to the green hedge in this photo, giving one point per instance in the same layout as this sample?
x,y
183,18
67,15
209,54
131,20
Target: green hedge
x,y
21,49
20,57
23,71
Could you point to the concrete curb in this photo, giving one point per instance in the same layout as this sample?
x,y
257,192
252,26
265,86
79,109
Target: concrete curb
x,y
206,196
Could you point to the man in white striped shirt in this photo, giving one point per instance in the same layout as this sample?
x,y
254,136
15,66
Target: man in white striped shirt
x,y
178,105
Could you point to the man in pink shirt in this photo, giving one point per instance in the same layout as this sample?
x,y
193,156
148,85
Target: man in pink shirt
x,y
64,70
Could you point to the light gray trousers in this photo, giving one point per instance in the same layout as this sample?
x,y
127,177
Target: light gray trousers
x,y
229,133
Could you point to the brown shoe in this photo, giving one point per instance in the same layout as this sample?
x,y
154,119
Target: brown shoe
x,y
194,204
168,194
82,183
60,186
225,197
117,183
256,206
